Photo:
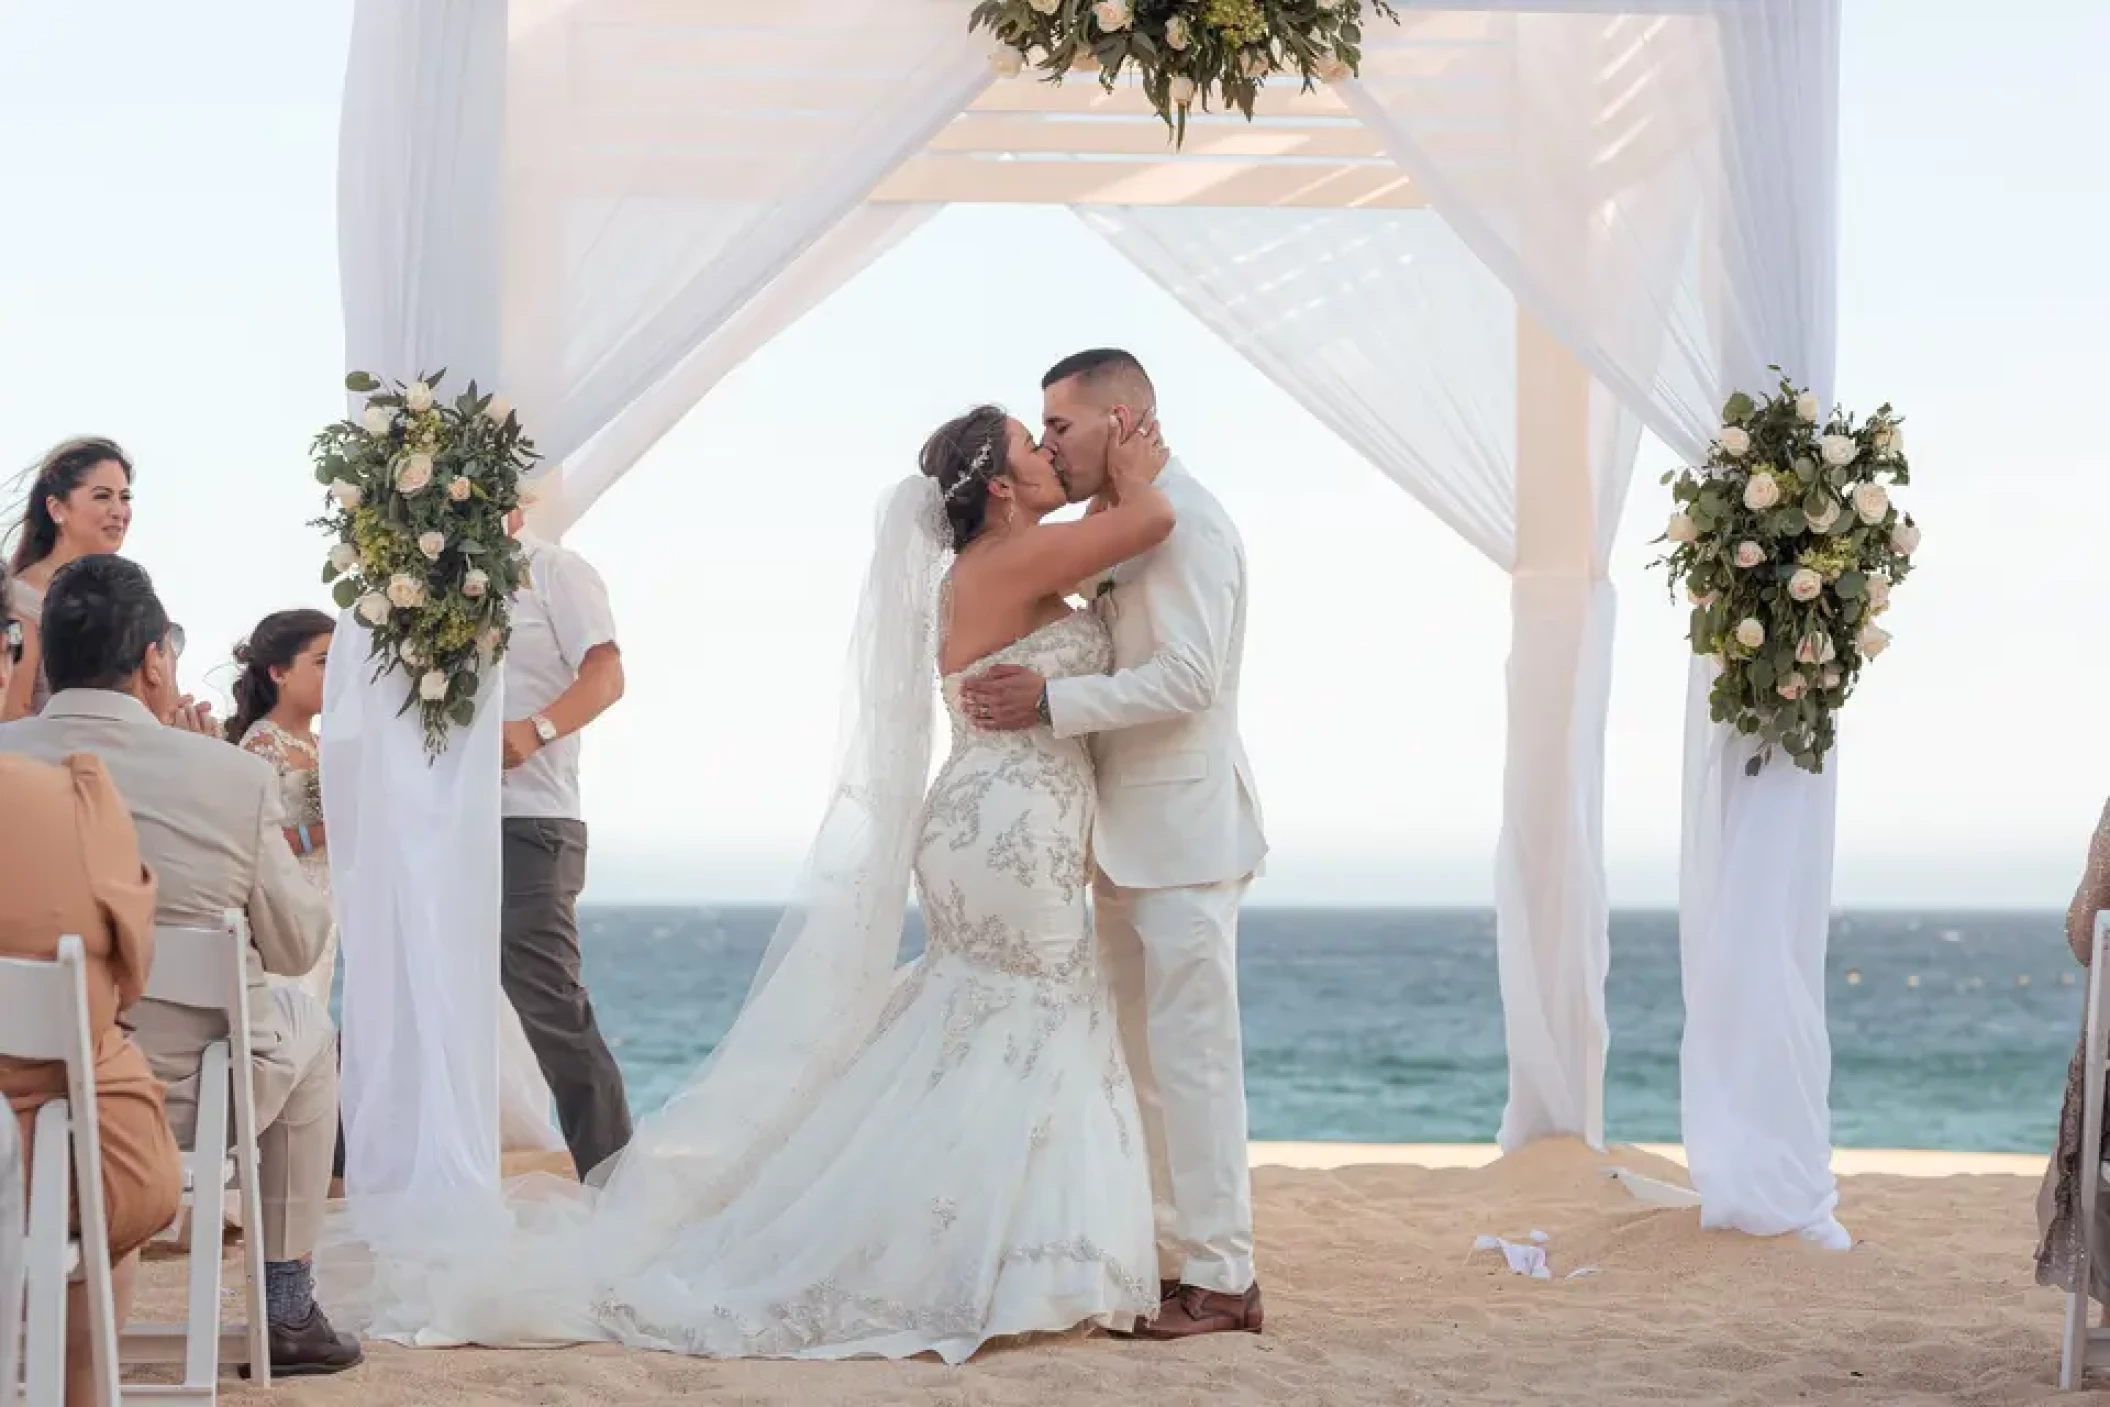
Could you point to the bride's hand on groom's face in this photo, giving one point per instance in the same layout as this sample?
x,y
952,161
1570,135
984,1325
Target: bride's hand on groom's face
x,y
1003,699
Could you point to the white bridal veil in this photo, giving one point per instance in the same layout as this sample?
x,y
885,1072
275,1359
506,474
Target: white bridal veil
x,y
528,1267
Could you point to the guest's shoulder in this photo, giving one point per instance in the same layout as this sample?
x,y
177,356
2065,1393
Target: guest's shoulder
x,y
215,757
24,778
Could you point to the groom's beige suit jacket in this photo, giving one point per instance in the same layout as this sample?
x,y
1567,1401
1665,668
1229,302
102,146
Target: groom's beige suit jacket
x,y
211,826
1177,804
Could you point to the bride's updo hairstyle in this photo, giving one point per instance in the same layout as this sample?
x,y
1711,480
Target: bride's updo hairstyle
x,y
963,456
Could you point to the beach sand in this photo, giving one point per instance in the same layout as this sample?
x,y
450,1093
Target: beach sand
x,y
1375,1296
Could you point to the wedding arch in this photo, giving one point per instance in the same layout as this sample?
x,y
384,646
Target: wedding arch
x,y
1529,230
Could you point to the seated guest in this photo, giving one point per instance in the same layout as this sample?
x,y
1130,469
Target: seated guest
x,y
2059,1223
69,863
211,823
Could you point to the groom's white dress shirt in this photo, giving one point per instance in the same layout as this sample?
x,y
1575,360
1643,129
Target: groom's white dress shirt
x,y
1177,840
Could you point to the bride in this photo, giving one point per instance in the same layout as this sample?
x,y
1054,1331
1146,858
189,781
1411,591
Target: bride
x,y
877,1160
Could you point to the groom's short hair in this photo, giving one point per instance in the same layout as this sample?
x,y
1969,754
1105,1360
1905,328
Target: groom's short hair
x,y
1105,371
101,616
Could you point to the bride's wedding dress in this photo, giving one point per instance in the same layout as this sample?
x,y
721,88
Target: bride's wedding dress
x,y
956,1159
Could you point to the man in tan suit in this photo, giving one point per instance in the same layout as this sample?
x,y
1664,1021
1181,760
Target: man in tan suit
x,y
211,827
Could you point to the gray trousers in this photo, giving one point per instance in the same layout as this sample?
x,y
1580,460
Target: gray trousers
x,y
545,868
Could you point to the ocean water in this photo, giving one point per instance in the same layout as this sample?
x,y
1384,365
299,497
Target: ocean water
x,y
1949,1030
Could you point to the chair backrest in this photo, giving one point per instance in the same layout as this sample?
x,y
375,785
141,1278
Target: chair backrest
x,y
44,1005
204,968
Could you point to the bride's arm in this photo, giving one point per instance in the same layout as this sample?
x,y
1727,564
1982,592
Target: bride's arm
x,y
1053,558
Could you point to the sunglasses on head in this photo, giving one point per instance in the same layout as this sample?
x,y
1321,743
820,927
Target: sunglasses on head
x,y
173,641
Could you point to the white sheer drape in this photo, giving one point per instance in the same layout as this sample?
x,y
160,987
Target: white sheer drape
x,y
414,848
1395,335
1697,144
669,167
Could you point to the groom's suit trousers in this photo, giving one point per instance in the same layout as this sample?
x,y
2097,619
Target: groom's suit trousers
x,y
1171,961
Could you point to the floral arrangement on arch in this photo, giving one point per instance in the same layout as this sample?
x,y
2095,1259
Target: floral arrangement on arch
x,y
1788,545
420,490
1186,51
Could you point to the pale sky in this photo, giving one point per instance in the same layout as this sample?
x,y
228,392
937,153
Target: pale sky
x,y
168,276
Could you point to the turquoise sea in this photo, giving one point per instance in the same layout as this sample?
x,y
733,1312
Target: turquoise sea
x,y
1949,1030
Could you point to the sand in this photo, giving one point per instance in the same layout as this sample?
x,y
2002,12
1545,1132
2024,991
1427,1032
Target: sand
x,y
1374,1296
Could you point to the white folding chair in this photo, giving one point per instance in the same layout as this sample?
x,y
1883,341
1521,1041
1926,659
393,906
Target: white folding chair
x,y
2087,1347
44,1016
13,1194
207,969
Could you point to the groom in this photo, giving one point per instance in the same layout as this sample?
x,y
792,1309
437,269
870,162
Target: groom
x,y
1178,839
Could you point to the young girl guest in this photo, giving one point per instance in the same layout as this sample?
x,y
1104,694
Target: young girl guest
x,y
277,697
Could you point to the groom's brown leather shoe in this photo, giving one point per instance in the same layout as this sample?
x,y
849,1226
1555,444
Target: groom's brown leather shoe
x,y
310,1348
1191,1311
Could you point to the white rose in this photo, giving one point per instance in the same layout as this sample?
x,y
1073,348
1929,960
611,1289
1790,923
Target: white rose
x,y
1805,586
1905,539
405,591
1112,15
475,584
432,686
1331,69
1749,555
1872,502
417,397
1761,493
1879,593
1750,633
1791,687
344,557
1735,441
1181,91
1872,641
1827,520
1832,679
1682,528
410,654
1006,62
432,544
1806,408
372,608
1816,648
497,411
1047,7
377,420
347,494
414,474
1838,450
458,490
1177,36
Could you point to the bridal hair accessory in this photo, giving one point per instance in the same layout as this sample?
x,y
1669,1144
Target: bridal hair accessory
x,y
977,470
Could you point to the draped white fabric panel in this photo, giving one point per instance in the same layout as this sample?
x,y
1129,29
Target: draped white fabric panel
x,y
843,253
667,163
1391,332
414,848
1658,189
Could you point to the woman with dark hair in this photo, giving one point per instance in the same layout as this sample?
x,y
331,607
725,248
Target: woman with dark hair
x,y
79,504
277,696
70,864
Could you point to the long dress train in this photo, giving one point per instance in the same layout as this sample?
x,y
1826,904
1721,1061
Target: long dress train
x,y
971,1167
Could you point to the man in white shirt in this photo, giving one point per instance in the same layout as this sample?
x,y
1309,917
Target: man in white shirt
x,y
563,670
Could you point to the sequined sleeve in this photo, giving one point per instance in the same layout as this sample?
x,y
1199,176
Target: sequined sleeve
x,y
2094,894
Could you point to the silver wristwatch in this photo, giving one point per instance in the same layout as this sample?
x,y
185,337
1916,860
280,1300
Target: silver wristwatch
x,y
544,729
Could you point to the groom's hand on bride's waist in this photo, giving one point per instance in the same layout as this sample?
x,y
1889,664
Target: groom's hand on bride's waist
x,y
1005,698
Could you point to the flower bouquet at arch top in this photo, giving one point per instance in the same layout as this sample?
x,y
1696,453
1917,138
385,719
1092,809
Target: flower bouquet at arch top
x,y
1185,51
420,490
1788,545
